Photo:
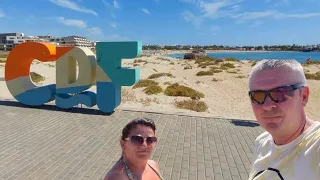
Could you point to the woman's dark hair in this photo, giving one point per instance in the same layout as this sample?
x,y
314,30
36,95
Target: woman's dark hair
x,y
134,123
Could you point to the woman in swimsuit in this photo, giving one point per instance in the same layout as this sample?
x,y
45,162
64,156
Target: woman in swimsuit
x,y
137,143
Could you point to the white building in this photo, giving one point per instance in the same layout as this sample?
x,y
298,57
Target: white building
x,y
9,40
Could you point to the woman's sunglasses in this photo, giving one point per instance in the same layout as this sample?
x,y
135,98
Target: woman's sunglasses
x,y
138,140
277,95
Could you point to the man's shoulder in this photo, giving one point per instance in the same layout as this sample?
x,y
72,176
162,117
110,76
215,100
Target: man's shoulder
x,y
262,138
113,175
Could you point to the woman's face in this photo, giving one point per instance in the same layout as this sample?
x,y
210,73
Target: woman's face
x,y
136,149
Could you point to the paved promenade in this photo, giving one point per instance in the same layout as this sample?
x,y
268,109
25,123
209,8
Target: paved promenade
x,y
49,143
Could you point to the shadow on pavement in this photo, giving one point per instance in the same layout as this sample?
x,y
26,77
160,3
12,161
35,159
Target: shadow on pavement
x,y
80,110
244,123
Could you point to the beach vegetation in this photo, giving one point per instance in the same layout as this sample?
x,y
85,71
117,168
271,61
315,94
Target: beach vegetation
x,y
172,63
167,83
241,76
204,73
128,95
310,63
231,59
145,83
216,80
193,105
226,66
135,64
180,90
163,59
155,70
3,55
153,76
313,76
147,101
154,89
232,72
3,60
37,78
139,61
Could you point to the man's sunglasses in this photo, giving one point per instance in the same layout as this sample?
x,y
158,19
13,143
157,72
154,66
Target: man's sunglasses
x,y
277,95
138,140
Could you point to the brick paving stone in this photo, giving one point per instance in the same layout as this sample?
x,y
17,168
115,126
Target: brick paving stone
x,y
50,143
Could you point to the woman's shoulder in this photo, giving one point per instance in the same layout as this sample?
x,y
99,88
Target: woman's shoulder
x,y
116,173
115,176
154,164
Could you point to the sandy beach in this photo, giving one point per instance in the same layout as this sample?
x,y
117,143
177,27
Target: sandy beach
x,y
225,93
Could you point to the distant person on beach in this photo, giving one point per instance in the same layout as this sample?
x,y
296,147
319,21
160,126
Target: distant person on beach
x,y
290,147
137,143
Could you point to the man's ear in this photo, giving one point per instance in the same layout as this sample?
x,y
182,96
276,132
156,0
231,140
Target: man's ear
x,y
305,95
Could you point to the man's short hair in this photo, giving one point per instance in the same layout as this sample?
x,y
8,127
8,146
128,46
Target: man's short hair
x,y
277,63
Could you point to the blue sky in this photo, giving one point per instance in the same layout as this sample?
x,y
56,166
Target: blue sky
x,y
204,22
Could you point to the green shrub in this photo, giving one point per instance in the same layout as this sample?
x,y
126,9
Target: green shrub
x,y
193,105
204,73
180,90
35,77
227,66
315,76
154,89
231,59
145,83
153,76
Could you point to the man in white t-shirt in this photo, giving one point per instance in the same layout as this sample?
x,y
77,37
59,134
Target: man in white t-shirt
x,y
289,149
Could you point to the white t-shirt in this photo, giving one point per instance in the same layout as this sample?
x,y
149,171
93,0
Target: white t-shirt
x,y
297,160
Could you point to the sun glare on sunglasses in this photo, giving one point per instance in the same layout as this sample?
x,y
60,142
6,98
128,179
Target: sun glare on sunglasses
x,y
278,95
139,140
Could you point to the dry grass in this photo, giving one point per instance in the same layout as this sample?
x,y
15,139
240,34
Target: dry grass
x,y
153,76
139,61
37,78
4,55
147,101
315,76
231,59
310,63
216,80
241,76
154,89
226,66
3,60
180,90
204,73
155,70
172,63
193,105
163,59
145,83
232,72
167,83
128,95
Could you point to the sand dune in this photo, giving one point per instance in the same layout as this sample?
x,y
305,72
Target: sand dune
x,y
225,92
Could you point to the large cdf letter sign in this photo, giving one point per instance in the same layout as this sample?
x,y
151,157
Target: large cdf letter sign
x,y
104,70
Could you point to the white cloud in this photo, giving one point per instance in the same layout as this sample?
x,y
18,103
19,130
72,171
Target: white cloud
x,y
189,17
145,10
72,5
247,16
253,15
72,22
95,31
220,8
215,28
116,4
1,13
114,25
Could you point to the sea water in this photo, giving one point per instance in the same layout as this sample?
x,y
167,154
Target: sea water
x,y
298,56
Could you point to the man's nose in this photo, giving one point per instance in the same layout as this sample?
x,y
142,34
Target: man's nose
x,y
269,104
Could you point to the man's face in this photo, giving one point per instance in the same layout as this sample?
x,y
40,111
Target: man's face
x,y
284,117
